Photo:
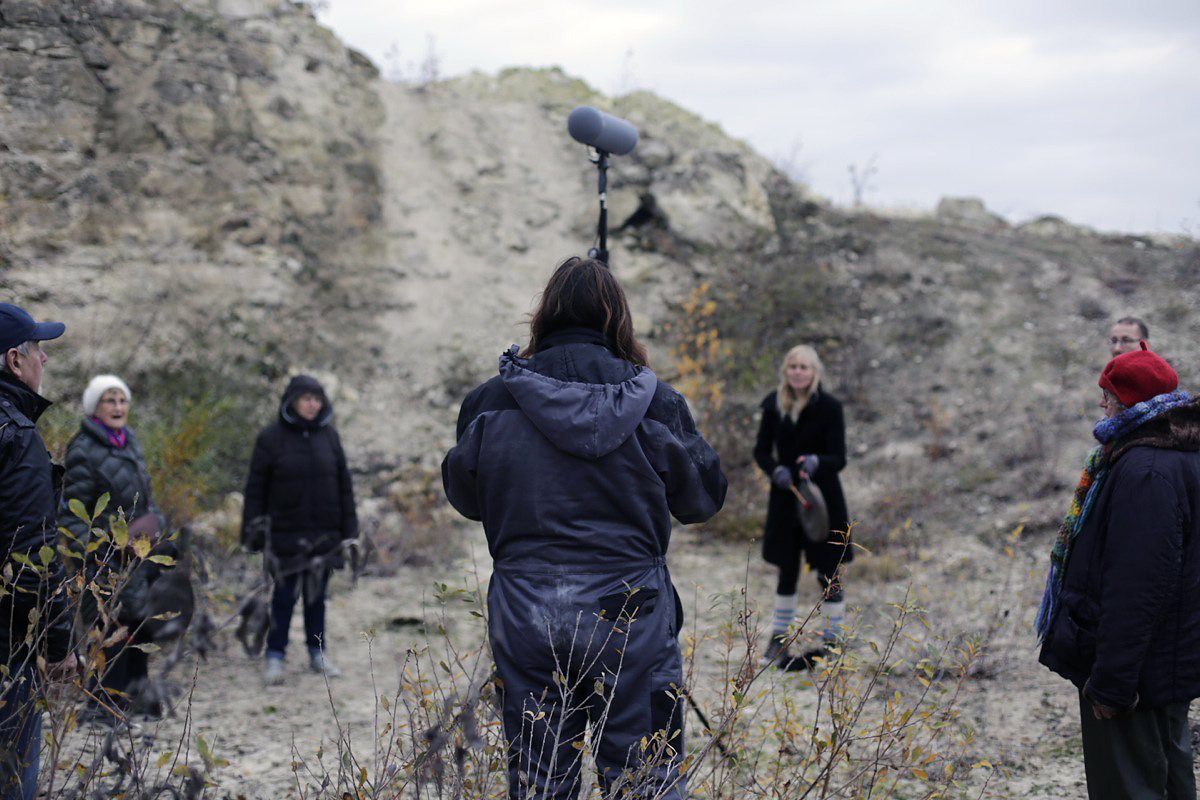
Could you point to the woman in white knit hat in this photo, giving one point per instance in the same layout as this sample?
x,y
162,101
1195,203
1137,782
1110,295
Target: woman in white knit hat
x,y
104,457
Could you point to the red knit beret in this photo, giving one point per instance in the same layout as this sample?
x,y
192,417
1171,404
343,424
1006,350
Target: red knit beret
x,y
1137,376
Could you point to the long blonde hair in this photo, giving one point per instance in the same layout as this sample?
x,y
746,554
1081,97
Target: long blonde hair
x,y
791,402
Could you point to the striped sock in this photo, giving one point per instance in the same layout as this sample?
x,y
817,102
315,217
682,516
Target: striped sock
x,y
835,620
785,614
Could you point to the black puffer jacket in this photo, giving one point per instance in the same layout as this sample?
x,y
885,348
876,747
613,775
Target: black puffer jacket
x,y
29,498
1127,623
299,478
96,466
820,431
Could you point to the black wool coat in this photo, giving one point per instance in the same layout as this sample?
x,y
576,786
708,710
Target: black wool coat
x,y
299,479
820,431
1127,621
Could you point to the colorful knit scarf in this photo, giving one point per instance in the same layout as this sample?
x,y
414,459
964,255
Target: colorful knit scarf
x,y
1095,470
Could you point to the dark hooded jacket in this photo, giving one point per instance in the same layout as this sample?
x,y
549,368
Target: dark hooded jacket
x,y
1127,621
30,487
299,479
578,457
94,466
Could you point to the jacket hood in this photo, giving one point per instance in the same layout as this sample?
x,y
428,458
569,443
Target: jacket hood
x,y
296,387
588,420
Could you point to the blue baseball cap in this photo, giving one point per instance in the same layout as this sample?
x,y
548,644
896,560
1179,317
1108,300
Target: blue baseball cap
x,y
17,327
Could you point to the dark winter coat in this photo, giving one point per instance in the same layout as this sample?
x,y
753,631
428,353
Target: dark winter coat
x,y
29,497
576,460
299,479
95,466
1127,623
599,453
819,431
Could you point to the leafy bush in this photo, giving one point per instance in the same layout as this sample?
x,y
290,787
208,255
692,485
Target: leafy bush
x,y
197,450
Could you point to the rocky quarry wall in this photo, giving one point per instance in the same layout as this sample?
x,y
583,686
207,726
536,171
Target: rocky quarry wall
x,y
219,193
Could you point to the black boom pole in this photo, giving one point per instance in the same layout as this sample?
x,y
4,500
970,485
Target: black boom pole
x,y
604,135
600,252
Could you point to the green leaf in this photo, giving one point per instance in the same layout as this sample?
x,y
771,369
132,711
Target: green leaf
x,y
46,554
120,531
101,504
78,509
166,561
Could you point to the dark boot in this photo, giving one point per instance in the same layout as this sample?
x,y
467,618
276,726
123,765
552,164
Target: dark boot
x,y
804,662
776,650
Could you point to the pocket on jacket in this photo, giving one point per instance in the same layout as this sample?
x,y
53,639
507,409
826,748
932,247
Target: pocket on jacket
x,y
630,604
1074,640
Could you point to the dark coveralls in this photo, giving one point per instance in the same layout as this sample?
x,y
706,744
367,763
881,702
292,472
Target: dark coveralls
x,y
575,461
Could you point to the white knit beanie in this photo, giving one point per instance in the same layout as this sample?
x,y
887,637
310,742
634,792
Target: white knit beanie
x,y
96,389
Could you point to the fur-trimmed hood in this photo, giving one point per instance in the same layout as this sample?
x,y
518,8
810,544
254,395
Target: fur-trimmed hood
x,y
1175,429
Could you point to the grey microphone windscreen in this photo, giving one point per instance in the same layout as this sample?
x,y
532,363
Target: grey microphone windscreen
x,y
602,131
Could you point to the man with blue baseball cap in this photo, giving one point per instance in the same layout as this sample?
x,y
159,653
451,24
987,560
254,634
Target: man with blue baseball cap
x,y
29,498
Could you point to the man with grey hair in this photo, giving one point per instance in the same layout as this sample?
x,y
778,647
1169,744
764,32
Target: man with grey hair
x,y
32,584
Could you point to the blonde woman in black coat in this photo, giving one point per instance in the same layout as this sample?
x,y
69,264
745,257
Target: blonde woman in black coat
x,y
803,432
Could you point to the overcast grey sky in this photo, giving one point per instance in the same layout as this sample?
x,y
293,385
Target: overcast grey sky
x,y
1085,109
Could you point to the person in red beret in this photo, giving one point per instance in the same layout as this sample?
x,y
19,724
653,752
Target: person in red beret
x,y
1120,616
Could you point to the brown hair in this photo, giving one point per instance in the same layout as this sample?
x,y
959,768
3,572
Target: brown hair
x,y
583,293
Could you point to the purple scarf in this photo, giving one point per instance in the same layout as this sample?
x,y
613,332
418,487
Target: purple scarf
x,y
115,438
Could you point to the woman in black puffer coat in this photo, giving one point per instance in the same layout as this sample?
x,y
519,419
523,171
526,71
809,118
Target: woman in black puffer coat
x,y
105,457
300,483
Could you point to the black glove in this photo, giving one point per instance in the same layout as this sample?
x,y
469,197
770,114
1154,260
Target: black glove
x,y
254,534
782,477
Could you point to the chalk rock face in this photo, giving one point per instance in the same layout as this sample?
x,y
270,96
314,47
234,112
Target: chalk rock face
x,y
185,188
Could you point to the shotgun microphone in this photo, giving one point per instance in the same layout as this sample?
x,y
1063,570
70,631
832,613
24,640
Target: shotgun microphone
x,y
606,133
